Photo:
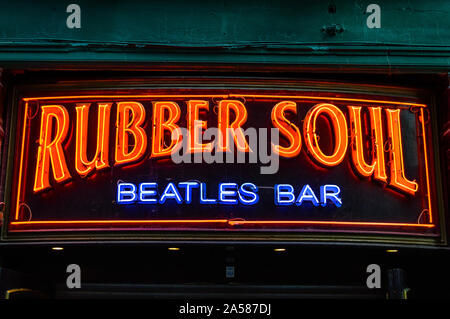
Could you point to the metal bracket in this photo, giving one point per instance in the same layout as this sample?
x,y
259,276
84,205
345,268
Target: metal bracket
x,y
332,29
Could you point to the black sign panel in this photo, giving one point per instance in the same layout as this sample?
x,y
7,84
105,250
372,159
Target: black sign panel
x,y
229,160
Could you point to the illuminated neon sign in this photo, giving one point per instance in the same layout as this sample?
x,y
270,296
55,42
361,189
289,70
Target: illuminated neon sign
x,y
341,160
228,194
51,158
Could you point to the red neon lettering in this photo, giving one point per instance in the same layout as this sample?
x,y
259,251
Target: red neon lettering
x,y
339,125
82,165
50,152
377,168
160,125
225,127
286,128
398,179
126,127
196,126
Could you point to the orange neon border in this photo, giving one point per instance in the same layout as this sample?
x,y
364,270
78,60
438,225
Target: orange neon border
x,y
229,222
222,221
422,120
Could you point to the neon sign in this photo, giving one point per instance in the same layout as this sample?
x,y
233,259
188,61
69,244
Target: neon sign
x,y
51,158
228,194
111,158
147,193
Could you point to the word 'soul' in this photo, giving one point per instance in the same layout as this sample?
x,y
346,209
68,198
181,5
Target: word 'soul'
x,y
131,139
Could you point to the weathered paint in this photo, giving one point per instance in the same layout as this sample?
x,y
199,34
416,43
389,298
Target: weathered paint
x,y
413,33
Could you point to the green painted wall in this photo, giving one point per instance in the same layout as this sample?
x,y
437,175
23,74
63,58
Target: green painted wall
x,y
413,33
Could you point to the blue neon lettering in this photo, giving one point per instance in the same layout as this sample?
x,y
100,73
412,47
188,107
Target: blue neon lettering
x,y
188,186
331,192
146,190
254,198
228,193
126,193
203,199
170,192
228,189
307,194
284,194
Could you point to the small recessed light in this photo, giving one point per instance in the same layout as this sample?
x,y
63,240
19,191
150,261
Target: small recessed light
x,y
57,248
392,250
279,249
174,248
